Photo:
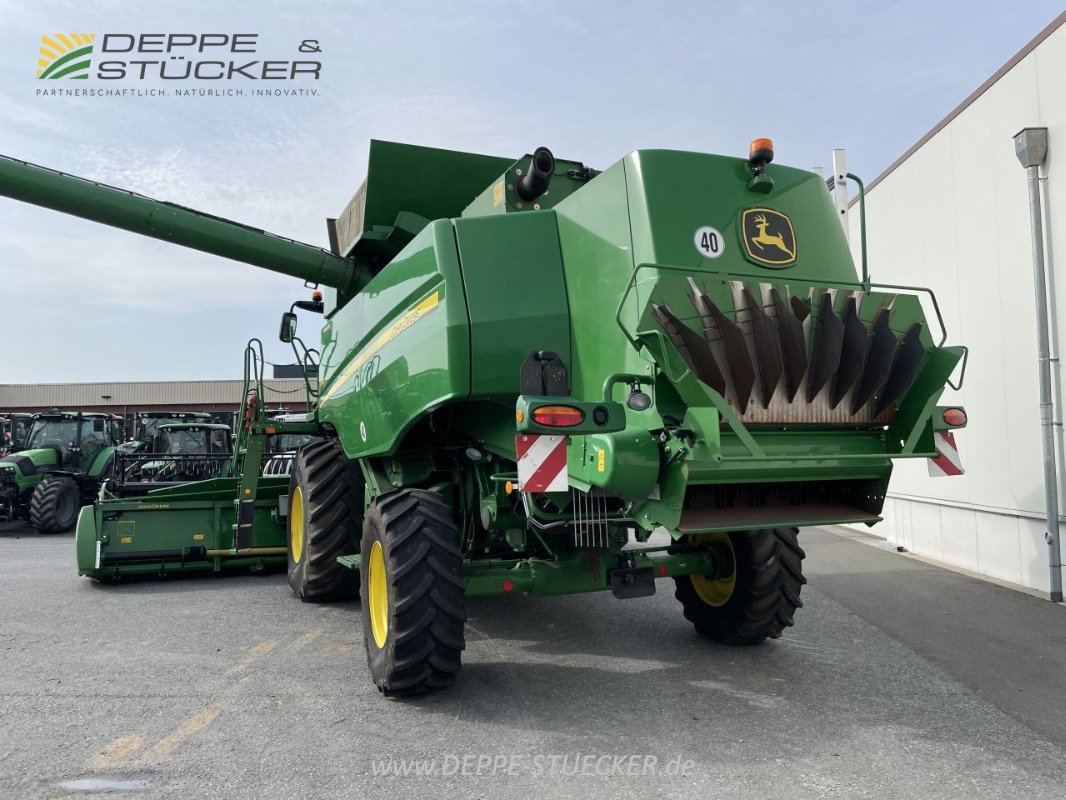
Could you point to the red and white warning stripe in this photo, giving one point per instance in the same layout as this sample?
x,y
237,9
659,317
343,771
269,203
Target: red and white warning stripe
x,y
948,461
542,463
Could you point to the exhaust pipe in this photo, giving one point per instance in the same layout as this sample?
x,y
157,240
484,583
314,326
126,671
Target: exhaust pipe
x,y
536,181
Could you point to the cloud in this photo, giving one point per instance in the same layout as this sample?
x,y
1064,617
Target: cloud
x,y
598,81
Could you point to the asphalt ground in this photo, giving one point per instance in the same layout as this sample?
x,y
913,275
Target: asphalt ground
x,y
899,680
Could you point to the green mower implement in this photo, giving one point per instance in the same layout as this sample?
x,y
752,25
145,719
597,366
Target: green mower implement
x,y
194,504
530,366
64,461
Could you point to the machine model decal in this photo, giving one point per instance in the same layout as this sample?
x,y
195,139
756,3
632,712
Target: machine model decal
x,y
768,237
395,329
709,242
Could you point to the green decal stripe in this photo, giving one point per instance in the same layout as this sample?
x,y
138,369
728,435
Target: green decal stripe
x,y
59,62
81,65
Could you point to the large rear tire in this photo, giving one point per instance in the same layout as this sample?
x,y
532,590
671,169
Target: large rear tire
x,y
413,603
326,495
54,504
760,598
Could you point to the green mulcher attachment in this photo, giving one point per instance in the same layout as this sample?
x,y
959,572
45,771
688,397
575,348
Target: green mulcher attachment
x,y
190,502
541,378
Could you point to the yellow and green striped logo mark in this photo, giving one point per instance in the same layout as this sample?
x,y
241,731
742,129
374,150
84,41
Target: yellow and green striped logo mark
x,y
65,55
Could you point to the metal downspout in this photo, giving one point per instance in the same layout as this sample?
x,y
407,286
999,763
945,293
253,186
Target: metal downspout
x,y
1031,149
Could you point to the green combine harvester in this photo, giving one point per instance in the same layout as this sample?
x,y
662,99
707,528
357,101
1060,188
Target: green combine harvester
x,y
527,368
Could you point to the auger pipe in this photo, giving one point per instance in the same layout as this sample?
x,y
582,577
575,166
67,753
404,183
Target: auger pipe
x,y
170,222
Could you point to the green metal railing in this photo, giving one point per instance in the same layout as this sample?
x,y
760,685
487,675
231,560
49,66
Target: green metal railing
x,y
671,363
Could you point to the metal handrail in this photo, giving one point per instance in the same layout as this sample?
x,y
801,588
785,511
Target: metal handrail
x,y
748,278
305,360
734,421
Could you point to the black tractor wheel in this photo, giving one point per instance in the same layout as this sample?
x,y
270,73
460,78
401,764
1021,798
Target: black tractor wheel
x,y
758,600
326,494
413,603
54,504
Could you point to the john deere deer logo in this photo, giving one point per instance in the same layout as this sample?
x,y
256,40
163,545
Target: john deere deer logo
x,y
768,237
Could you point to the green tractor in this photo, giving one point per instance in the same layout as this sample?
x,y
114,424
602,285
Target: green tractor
x,y
65,458
146,423
528,367
14,428
177,453
284,447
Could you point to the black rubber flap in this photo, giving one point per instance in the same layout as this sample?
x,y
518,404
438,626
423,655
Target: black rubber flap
x,y
879,357
828,341
736,353
700,358
852,352
767,348
793,345
908,358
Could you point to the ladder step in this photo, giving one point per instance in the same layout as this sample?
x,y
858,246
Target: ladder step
x,y
351,562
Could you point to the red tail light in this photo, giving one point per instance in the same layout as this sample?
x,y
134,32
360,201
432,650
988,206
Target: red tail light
x,y
558,416
955,417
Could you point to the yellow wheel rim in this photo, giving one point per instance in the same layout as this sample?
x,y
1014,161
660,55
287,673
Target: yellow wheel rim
x,y
296,525
378,595
716,591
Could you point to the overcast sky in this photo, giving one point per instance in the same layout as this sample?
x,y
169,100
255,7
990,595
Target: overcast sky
x,y
592,81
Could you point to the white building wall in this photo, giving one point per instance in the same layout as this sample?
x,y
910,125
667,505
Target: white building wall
x,y
954,217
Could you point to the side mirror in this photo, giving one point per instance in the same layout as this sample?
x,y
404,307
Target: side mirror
x,y
288,327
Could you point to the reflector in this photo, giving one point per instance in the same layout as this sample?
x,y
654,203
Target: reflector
x,y
955,417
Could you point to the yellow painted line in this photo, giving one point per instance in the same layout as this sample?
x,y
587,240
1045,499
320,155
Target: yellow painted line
x,y
254,652
408,319
53,44
302,642
197,722
65,40
119,750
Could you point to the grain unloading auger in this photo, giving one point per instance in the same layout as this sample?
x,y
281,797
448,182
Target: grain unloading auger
x,y
528,367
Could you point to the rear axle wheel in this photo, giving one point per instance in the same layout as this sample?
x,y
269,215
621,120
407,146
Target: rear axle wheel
x,y
758,599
